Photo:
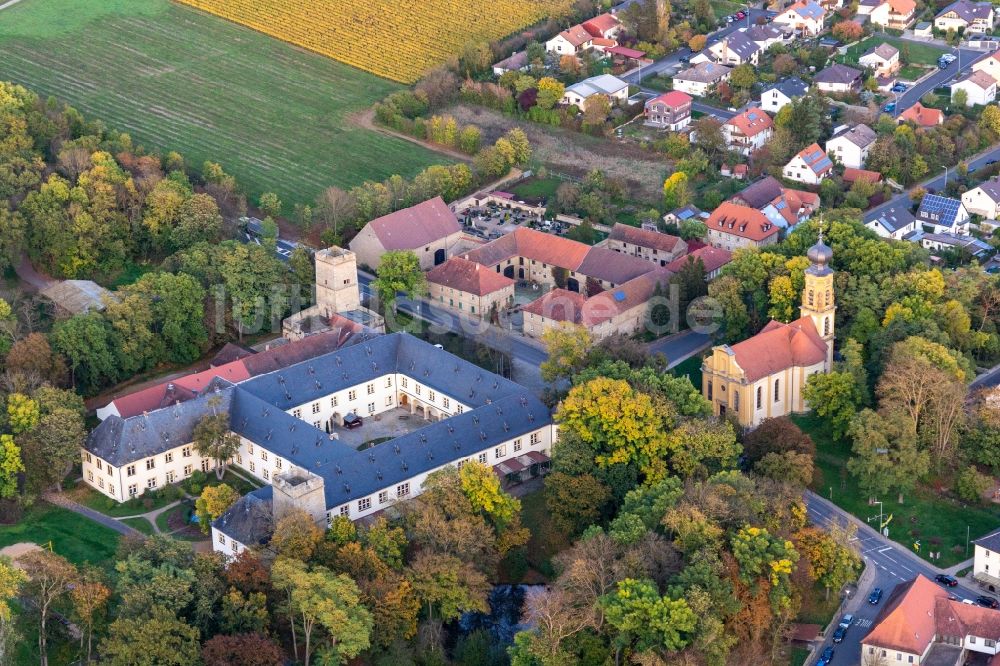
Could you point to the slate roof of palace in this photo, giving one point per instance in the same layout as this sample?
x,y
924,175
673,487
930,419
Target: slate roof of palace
x,y
250,520
499,409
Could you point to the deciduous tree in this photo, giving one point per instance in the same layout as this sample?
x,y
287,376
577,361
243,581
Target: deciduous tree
x,y
157,639
212,438
213,503
567,347
241,650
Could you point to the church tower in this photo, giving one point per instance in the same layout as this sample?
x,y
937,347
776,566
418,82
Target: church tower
x,y
818,302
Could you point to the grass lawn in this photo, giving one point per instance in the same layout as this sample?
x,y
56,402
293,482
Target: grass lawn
x,y
724,7
276,117
140,524
89,497
798,656
545,540
911,72
537,188
691,368
936,520
909,52
72,536
163,520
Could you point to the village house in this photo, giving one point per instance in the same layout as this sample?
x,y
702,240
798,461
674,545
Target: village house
x,y
883,60
765,36
669,111
805,16
734,49
653,246
429,229
990,65
465,286
986,561
838,78
782,206
605,26
685,213
920,623
763,376
748,131
731,226
517,62
962,244
943,215
984,200
611,87
571,41
895,222
921,116
966,15
892,14
850,146
712,260
784,92
699,79
980,88
809,166
852,176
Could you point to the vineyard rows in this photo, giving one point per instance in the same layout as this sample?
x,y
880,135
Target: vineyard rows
x,y
395,39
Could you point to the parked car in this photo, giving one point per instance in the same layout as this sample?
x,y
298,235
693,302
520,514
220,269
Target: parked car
x,y
899,87
890,107
826,657
352,421
875,596
741,15
987,602
946,580
846,621
838,634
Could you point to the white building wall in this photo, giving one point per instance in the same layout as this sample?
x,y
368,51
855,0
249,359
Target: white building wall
x,y
149,473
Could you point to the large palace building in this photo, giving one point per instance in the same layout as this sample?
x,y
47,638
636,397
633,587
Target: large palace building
x,y
763,376
422,409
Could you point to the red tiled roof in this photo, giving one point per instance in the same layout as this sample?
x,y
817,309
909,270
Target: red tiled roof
x,y
572,307
922,116
904,7
643,237
751,122
610,266
576,35
531,244
674,98
816,159
713,258
600,25
558,304
416,226
851,175
177,390
625,52
741,221
343,331
468,276
779,347
606,43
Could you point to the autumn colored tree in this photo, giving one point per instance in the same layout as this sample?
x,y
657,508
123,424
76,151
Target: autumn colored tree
x,y
50,577
832,559
157,639
676,191
550,92
213,503
567,346
697,43
89,598
212,438
296,535
11,580
848,31
241,650
574,502
649,621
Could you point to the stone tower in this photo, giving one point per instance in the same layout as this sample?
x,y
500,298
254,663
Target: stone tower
x,y
299,489
336,281
818,301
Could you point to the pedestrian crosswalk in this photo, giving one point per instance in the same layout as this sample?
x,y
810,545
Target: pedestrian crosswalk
x,y
863,622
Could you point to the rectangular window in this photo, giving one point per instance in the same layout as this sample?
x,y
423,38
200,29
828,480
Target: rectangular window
x,y
500,451
364,503
459,409
250,449
110,472
297,413
86,456
263,454
267,475
130,470
431,395
253,467
133,490
205,463
388,382
100,482
99,467
168,457
315,408
345,510
239,459
517,445
186,452
371,389
388,401
222,538
170,477
419,389
403,490
446,402
482,458
315,424
90,476
535,438
151,483
371,407
188,469
352,395
383,497
111,488
277,463
333,401
150,463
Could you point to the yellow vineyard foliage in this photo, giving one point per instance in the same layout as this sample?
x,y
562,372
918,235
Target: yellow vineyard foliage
x,y
395,39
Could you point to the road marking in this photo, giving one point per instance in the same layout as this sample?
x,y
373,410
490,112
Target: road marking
x,y
882,550
863,622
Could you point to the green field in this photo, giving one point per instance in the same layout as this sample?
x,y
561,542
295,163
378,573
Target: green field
x,y
910,53
939,522
74,537
276,117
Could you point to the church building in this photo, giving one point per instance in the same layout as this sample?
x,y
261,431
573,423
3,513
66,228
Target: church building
x,y
763,376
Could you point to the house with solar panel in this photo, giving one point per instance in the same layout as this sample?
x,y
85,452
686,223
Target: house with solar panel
x,y
747,132
805,17
943,215
895,222
414,409
809,166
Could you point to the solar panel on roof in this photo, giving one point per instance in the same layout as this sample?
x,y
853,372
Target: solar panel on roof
x,y
823,163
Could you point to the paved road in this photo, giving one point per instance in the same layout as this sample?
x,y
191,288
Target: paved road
x,y
681,346
966,57
988,379
892,565
937,182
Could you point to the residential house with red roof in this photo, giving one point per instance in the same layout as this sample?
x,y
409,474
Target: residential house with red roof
x,y
894,14
921,624
669,111
748,131
429,229
809,166
763,376
653,246
921,116
570,41
606,26
712,260
468,287
806,17
731,226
